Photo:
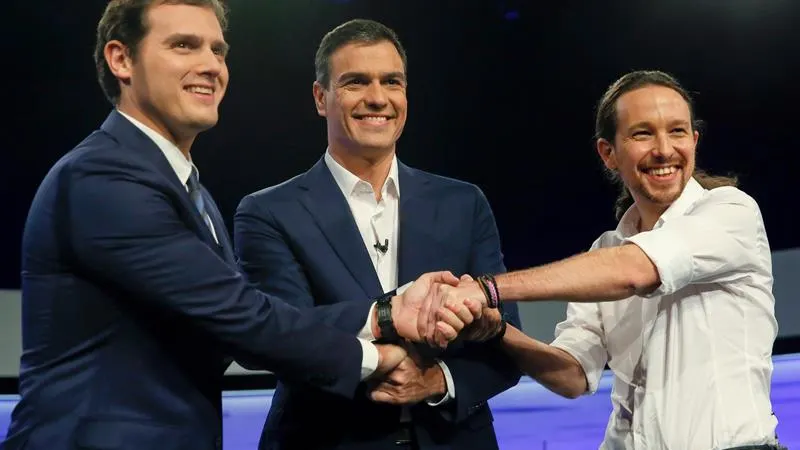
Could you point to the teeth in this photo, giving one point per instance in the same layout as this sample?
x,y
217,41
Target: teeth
x,y
375,118
662,171
201,90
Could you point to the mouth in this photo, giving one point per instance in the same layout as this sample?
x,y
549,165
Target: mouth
x,y
373,119
662,174
202,92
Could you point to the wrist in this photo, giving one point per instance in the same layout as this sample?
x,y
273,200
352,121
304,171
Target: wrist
x,y
376,330
385,318
434,379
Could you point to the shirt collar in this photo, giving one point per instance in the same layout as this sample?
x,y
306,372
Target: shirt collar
x,y
176,159
348,182
629,223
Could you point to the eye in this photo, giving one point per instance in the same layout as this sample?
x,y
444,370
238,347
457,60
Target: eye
x,y
678,130
183,45
641,134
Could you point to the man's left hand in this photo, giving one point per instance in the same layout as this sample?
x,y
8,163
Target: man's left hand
x,y
411,382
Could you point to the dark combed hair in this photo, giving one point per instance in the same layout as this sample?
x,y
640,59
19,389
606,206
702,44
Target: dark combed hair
x,y
606,126
126,21
354,31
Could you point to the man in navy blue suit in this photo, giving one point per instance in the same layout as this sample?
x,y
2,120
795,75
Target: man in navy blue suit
x,y
132,301
360,223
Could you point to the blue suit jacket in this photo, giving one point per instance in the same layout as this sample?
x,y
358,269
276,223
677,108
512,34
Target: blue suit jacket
x,y
129,307
299,241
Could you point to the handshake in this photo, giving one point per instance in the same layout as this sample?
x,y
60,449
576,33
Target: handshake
x,y
436,309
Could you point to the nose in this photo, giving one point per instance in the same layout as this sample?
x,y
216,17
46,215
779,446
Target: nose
x,y
663,147
375,97
212,64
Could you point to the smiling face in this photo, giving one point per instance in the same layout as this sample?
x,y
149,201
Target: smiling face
x,y
654,146
178,76
365,105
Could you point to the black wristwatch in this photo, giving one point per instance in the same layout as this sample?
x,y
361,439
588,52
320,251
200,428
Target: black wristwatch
x,y
385,323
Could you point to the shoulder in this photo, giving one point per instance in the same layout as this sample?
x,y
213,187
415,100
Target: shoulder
x,y
726,195
443,185
100,156
281,192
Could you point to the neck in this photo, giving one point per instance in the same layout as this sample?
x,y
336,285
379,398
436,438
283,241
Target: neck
x,y
183,142
649,215
372,168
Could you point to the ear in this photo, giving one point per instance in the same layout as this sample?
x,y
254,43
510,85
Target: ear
x,y
606,152
319,99
119,60
696,137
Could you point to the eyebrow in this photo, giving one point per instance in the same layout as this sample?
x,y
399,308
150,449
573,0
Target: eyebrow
x,y
386,76
670,124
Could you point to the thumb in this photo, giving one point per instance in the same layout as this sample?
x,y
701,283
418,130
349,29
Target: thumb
x,y
445,277
466,277
380,397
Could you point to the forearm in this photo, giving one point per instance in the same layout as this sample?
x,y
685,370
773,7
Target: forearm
x,y
599,275
552,367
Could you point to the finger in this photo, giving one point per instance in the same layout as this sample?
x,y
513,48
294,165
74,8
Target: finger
x,y
475,308
449,318
436,297
423,325
438,293
447,333
461,310
446,277
381,396
466,277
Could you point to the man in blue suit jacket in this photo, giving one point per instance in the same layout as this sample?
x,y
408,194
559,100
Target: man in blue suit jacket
x,y
131,296
360,223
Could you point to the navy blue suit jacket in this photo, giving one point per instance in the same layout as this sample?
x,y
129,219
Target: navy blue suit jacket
x,y
299,241
129,308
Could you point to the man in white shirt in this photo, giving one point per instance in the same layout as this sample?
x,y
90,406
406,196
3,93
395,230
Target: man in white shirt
x,y
677,300
131,296
358,224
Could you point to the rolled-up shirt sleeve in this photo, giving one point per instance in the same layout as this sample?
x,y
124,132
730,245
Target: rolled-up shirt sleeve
x,y
714,242
581,335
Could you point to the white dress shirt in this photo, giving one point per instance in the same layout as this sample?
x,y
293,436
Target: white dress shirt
x,y
179,163
378,222
183,168
692,360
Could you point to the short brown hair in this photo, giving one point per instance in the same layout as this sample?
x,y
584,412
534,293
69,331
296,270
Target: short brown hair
x,y
606,126
362,31
126,21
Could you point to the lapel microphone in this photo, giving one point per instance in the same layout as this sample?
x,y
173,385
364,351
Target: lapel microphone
x,y
382,248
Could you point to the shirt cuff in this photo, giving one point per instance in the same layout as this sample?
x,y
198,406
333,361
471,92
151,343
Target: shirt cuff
x,y
404,288
451,386
369,358
672,258
591,370
366,332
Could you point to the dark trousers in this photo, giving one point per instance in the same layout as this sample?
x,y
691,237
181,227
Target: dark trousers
x,y
405,438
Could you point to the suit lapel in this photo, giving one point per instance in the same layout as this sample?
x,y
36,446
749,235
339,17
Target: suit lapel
x,y
126,133
417,216
329,208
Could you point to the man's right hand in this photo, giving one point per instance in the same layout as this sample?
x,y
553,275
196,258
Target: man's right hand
x,y
418,316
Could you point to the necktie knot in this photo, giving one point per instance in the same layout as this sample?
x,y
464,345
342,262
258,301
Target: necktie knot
x,y
193,183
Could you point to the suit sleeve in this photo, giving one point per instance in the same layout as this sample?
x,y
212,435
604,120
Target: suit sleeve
x,y
126,232
269,263
481,371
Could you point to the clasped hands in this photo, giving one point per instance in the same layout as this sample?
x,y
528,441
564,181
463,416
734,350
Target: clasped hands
x,y
435,310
